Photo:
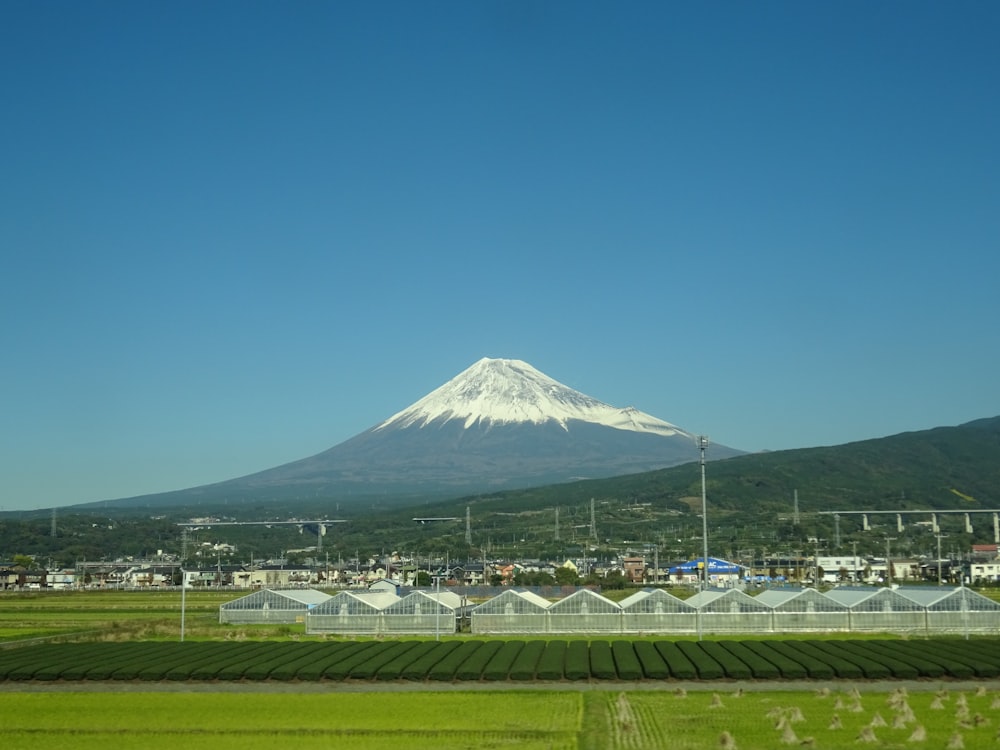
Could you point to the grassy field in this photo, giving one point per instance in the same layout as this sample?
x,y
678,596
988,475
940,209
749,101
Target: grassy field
x,y
555,720
129,614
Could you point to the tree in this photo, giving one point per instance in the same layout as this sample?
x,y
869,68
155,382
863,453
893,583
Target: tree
x,y
567,577
23,561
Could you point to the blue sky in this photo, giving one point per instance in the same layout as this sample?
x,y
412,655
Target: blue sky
x,y
235,234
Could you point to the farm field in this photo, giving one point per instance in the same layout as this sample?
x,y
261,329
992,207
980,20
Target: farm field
x,y
121,614
502,661
837,719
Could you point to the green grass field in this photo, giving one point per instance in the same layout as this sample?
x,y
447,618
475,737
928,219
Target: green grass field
x,y
555,720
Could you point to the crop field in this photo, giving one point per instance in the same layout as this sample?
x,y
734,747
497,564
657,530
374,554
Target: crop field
x,y
113,614
475,660
937,719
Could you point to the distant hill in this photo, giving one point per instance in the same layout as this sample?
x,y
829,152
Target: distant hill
x,y
925,469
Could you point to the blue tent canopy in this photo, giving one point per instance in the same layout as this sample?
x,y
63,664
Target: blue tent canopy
x,y
715,566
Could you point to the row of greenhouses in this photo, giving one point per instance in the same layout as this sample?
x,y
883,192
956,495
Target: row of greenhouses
x,y
903,610
350,612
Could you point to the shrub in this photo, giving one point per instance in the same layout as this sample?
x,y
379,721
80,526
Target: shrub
x,y
707,667
817,669
393,670
731,664
653,665
788,668
472,668
760,668
552,662
348,658
626,661
678,662
526,662
499,666
445,669
843,664
602,663
378,658
873,651
577,661
419,668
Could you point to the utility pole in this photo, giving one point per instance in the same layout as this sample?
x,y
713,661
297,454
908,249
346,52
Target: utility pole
x,y
854,554
703,445
593,521
888,561
557,524
940,581
468,526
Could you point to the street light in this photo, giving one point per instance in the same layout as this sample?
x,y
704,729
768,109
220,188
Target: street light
x,y
702,445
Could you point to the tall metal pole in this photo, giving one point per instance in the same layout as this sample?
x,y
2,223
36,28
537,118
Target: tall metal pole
x,y
702,445
183,600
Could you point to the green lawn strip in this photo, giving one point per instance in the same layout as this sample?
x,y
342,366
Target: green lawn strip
x,y
973,654
626,660
680,665
552,662
499,666
602,661
525,665
354,655
760,668
786,666
314,670
577,660
472,668
653,665
708,668
445,668
816,668
847,666
420,667
378,658
929,663
875,651
734,667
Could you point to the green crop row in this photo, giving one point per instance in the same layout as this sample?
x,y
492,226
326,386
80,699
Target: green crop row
x,y
496,660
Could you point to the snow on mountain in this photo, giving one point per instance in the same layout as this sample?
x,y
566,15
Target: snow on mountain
x,y
510,391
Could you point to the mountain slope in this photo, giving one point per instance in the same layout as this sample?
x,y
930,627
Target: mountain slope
x,y
499,424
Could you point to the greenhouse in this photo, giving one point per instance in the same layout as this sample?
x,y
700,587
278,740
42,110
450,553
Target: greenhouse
x,y
584,611
350,612
422,612
804,610
730,611
655,611
880,610
956,610
512,611
271,606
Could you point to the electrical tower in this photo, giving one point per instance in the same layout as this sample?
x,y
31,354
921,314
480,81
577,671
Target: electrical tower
x,y
593,521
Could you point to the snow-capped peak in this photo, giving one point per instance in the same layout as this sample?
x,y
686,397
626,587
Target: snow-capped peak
x,y
506,391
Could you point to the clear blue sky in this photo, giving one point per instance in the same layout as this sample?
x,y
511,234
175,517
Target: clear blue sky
x,y
235,234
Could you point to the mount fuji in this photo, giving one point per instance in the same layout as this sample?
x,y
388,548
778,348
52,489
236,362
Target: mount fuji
x,y
500,424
